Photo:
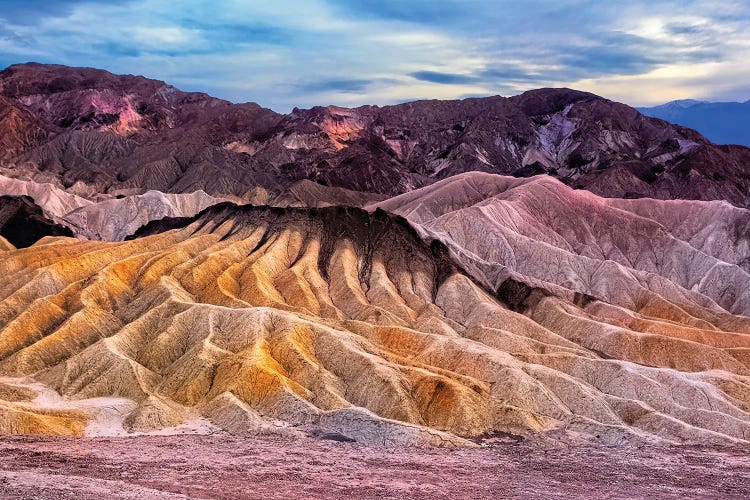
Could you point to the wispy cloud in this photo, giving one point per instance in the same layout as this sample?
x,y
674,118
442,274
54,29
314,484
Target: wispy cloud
x,y
347,86
349,52
444,78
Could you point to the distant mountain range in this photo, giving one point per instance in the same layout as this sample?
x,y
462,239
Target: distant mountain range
x,y
721,122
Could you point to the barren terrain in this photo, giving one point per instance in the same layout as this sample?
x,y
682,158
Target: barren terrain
x,y
218,466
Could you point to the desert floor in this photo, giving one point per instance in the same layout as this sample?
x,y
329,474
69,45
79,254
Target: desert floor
x,y
219,466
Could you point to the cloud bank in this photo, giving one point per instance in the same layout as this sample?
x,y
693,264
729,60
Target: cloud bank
x,y
348,52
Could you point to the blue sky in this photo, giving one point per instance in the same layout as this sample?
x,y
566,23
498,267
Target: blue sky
x,y
287,53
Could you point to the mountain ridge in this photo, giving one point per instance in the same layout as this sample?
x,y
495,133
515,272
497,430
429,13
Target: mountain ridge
x,y
298,322
718,121
108,135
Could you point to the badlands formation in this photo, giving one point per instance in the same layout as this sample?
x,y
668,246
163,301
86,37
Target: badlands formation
x,y
333,320
552,265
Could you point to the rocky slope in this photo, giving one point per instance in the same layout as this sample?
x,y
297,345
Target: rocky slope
x,y
113,219
94,133
23,223
55,201
262,320
542,232
109,219
126,135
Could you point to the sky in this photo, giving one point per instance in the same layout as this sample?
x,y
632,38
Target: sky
x,y
287,53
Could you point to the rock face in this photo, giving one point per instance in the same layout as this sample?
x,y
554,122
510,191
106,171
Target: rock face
x,y
55,201
342,321
22,223
313,195
113,220
110,219
125,135
19,129
94,133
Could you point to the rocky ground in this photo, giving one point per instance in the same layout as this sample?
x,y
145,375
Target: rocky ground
x,y
218,466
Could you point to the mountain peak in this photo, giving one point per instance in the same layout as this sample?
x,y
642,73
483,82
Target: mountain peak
x,y
550,100
94,99
685,103
28,79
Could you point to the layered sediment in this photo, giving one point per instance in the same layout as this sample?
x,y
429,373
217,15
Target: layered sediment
x,y
341,321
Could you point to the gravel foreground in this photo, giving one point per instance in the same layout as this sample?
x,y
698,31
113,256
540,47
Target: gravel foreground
x,y
219,466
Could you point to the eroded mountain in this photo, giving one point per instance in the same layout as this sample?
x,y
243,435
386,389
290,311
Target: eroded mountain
x,y
458,304
622,252
96,134
336,320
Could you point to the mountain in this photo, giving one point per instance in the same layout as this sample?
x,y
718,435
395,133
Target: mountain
x,y
99,135
554,266
546,234
721,122
344,322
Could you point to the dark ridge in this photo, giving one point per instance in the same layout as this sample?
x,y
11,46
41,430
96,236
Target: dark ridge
x,y
340,438
519,296
34,78
23,223
546,101
368,232
583,299
531,170
499,436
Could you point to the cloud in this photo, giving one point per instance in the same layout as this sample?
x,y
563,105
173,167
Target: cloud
x,y
305,52
346,86
11,37
437,77
684,29
30,11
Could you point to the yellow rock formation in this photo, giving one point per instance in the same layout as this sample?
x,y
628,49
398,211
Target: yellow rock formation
x,y
263,322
